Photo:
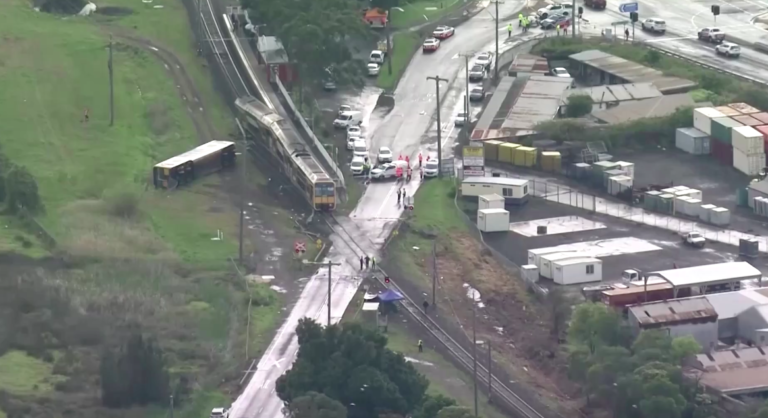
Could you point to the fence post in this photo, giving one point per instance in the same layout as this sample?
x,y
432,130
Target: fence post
x,y
546,190
558,193
594,204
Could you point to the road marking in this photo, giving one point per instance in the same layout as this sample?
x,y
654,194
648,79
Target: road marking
x,y
386,199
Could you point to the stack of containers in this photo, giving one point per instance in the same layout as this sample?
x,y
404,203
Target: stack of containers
x,y
491,150
748,150
618,184
506,152
627,167
702,119
728,111
722,149
682,205
598,171
692,141
607,174
762,117
720,216
747,120
580,171
665,203
705,211
764,131
744,108
524,156
651,200
551,161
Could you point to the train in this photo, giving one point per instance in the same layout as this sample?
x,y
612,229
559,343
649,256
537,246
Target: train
x,y
294,159
184,168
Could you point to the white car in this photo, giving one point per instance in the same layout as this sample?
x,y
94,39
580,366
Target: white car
x,y
385,155
377,56
430,168
430,45
485,59
388,170
560,72
654,25
443,32
460,119
373,69
544,12
351,142
360,149
728,49
357,166
354,131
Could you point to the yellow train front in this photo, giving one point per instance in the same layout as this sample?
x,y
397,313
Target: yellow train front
x,y
324,196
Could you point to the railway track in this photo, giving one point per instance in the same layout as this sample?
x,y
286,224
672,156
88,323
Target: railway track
x,y
513,403
214,37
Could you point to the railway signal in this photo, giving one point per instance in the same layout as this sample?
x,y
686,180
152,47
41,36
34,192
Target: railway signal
x,y
715,11
386,280
299,247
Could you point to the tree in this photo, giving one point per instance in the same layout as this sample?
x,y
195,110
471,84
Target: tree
x,y
136,375
659,407
21,191
595,325
315,405
684,347
455,412
385,4
559,309
578,105
431,405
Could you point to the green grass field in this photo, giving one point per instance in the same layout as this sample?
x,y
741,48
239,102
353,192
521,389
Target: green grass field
x,y
21,374
417,12
403,46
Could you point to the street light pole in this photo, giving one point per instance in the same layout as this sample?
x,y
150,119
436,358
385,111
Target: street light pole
x,y
474,345
466,87
330,265
496,55
437,80
242,191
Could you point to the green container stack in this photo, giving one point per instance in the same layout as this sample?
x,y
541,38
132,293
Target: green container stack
x,y
665,203
651,200
742,197
721,129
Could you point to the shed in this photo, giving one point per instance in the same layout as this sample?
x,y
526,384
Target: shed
x,y
742,371
679,317
729,305
753,325
273,54
490,201
578,270
547,261
514,191
713,276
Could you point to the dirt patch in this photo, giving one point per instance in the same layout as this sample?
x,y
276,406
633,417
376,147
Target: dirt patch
x,y
517,324
114,11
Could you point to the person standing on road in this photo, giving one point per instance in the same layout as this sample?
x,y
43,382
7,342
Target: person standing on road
x,y
626,34
367,262
565,30
558,29
362,260
421,346
425,304
509,28
399,193
373,262
420,160
520,19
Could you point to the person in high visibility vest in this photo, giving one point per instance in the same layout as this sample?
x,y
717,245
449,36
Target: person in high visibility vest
x,y
419,160
525,24
408,160
399,172
408,176
520,18
509,28
558,29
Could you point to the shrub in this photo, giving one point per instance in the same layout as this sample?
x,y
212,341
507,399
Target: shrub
x,y
124,205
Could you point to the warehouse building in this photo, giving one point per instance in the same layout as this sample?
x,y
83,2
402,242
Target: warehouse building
x,y
737,372
679,317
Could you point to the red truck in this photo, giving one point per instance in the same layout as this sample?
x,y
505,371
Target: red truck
x,y
595,4
634,293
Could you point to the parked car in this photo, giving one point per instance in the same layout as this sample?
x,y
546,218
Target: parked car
x,y
373,69
460,119
443,32
388,170
551,9
384,155
344,108
360,149
347,119
357,166
485,59
430,45
712,35
354,131
477,73
377,56
351,142
431,168
561,72
728,49
655,25
477,94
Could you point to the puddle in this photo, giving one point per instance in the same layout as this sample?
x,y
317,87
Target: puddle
x,y
413,360
271,258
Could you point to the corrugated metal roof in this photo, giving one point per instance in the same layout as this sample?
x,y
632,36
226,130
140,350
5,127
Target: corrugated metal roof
x,y
538,102
710,274
738,371
673,311
731,304
490,111
618,92
528,64
648,108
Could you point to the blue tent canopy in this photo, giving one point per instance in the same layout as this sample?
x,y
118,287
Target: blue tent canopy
x,y
390,296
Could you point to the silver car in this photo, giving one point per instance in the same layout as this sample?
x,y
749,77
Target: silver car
x,y
477,94
477,73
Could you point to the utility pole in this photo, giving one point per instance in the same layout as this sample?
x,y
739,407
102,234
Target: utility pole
x,y
496,54
242,190
466,87
576,18
171,406
490,373
200,27
434,272
437,80
330,265
111,86
474,344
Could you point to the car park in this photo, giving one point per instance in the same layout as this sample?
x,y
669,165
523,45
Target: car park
x,y
354,131
357,166
460,119
655,25
377,56
711,35
373,69
477,94
728,49
347,119
388,170
384,155
430,45
443,32
431,168
360,149
477,73
485,59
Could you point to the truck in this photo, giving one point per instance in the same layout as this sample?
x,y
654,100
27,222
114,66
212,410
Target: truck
x,y
711,35
595,4
694,239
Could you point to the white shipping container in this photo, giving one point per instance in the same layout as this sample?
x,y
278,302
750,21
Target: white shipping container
x,y
618,184
681,204
747,139
692,141
530,273
490,201
547,262
578,270
627,167
702,118
749,164
704,212
694,207
493,220
680,188
692,193
720,216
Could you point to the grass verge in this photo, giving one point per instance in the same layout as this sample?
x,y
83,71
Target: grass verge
x,y
417,12
21,374
403,46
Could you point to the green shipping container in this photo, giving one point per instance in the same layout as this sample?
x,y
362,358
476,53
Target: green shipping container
x,y
742,197
721,129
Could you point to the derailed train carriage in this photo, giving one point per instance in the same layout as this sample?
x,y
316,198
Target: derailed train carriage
x,y
293,157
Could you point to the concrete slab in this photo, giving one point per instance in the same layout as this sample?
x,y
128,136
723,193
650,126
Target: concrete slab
x,y
559,225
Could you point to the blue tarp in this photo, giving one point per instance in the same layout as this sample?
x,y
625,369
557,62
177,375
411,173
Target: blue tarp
x,y
390,296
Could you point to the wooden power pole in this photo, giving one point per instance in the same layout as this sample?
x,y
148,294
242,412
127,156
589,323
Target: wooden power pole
x,y
111,86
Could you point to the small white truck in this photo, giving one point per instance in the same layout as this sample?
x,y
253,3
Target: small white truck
x,y
694,239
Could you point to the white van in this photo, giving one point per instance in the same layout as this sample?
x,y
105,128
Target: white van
x,y
357,166
347,119
360,149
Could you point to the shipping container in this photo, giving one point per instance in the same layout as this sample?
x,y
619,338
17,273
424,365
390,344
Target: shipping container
x,y
490,201
720,216
749,247
723,153
651,200
702,119
704,212
493,220
578,270
627,167
694,208
525,156
681,205
747,120
728,111
721,129
749,164
547,261
760,206
530,273
580,170
665,203
491,150
748,140
762,117
692,193
622,297
618,184
742,197
763,129
611,173
604,166
692,141
744,108
505,152
551,161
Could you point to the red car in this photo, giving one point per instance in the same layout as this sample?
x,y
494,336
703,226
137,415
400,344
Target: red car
x,y
431,45
443,32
